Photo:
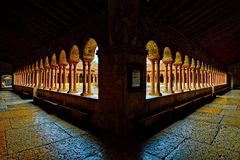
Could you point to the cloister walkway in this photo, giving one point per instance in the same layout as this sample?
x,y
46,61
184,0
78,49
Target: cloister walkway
x,y
28,132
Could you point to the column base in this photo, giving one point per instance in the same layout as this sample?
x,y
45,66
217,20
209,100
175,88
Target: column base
x,y
178,91
84,94
168,92
155,94
187,89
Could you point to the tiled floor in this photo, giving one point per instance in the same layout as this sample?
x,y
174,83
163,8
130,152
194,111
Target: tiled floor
x,y
28,132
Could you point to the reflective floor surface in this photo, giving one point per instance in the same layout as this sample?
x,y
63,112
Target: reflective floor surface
x,y
28,132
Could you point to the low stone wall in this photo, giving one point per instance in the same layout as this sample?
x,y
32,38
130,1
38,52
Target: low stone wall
x,y
167,109
73,101
23,91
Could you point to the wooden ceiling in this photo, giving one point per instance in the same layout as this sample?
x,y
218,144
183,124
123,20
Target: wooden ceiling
x,y
213,25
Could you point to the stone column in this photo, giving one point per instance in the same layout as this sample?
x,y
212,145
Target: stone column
x,y
187,78
84,93
158,78
89,79
74,78
166,78
175,83
52,78
153,78
36,78
170,79
180,79
70,79
56,75
60,78
183,78
49,78
64,78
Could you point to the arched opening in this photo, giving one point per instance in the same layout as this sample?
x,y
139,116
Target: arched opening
x,y
6,81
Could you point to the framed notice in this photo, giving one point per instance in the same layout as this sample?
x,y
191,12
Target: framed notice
x,y
135,76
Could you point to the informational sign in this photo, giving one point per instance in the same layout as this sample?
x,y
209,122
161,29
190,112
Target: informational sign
x,y
136,79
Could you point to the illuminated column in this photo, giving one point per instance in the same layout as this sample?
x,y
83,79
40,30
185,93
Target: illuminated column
x,y
73,61
168,60
62,68
33,76
193,80
74,78
36,74
41,74
183,78
175,82
198,74
70,79
153,78
89,79
186,66
55,79
206,75
29,75
202,75
60,78
84,93
54,66
64,78
47,73
153,56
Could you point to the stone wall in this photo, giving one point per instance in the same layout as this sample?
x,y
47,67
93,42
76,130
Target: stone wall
x,y
234,75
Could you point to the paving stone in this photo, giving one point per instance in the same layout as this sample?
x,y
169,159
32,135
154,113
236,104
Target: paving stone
x,y
190,150
30,137
210,110
223,106
4,124
232,121
226,100
162,144
12,114
2,144
204,116
228,137
197,130
231,113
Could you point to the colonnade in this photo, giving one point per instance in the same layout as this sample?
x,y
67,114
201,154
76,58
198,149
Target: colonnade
x,y
53,76
188,75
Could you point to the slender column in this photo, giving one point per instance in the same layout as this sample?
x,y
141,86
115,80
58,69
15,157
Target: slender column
x,y
170,79
60,78
205,79
44,80
198,78
64,78
166,77
70,79
183,78
187,78
84,93
36,78
194,78
56,75
74,78
202,77
40,78
158,78
89,79
33,78
52,78
49,78
153,78
175,83
180,78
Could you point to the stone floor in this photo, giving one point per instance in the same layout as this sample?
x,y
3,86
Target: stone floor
x,y
28,132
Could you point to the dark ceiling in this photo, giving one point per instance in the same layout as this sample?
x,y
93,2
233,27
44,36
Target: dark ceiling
x,y
28,25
